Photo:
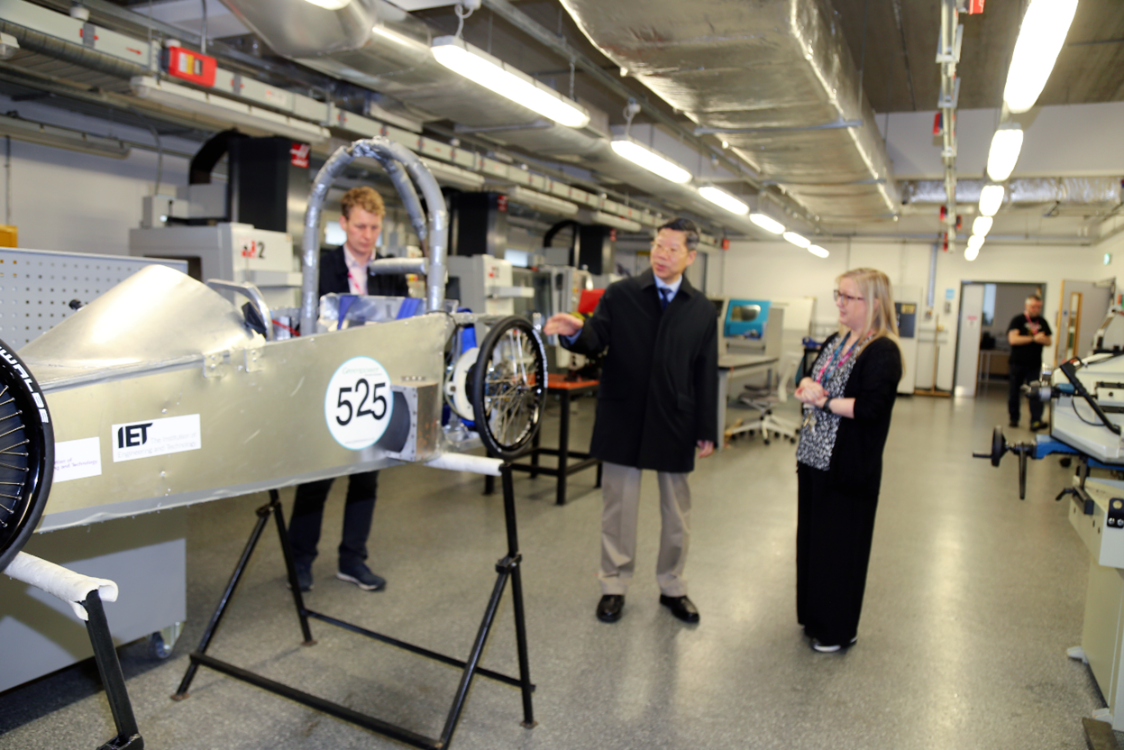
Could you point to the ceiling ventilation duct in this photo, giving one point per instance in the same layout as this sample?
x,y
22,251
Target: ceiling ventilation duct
x,y
774,78
1084,193
390,53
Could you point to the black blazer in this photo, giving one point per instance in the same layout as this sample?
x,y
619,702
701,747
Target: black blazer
x,y
333,278
659,383
856,459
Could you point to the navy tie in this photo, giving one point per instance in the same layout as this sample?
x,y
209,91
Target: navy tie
x,y
665,297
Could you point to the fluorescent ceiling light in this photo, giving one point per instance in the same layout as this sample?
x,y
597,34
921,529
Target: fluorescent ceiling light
x,y
330,4
981,226
975,241
656,163
970,253
1041,37
1004,153
535,199
796,239
818,251
496,75
768,223
991,198
204,103
448,174
720,197
588,216
72,140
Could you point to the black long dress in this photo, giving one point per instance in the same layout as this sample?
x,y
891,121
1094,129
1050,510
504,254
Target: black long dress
x,y
835,520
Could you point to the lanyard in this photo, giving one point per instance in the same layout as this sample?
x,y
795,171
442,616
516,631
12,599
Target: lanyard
x,y
835,360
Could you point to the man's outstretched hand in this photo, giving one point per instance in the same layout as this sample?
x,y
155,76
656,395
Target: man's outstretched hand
x,y
562,324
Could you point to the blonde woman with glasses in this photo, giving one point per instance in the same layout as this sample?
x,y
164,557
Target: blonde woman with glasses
x,y
848,398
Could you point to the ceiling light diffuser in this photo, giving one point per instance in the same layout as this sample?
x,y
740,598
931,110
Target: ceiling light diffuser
x,y
1041,37
720,197
330,4
975,241
970,253
982,225
1004,153
494,74
768,223
818,251
654,162
991,198
797,239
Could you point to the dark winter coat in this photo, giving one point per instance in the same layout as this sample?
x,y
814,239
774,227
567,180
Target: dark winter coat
x,y
333,278
659,383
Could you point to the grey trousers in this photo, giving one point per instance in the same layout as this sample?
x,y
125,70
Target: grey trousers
x,y
620,510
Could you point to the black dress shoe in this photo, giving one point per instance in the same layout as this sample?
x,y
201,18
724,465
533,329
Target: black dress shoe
x,y
610,607
681,607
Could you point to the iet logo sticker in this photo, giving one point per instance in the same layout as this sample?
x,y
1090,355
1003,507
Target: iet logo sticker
x,y
156,437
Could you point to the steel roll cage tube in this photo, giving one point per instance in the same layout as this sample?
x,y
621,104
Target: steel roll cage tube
x,y
393,158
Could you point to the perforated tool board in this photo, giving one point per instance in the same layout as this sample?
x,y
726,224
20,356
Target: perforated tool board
x,y
37,286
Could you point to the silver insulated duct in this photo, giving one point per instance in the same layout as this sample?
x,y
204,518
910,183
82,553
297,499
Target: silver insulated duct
x,y
375,44
774,78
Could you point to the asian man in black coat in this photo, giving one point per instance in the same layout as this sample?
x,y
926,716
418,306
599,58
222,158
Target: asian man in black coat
x,y
657,404
344,271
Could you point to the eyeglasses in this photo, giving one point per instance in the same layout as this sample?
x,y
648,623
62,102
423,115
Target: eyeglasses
x,y
846,297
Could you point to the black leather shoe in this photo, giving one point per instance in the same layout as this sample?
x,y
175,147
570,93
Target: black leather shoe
x,y
681,607
610,608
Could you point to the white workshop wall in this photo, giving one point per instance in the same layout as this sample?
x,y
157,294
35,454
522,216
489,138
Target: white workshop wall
x,y
69,201
776,270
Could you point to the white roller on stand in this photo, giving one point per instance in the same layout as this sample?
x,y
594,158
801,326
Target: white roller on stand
x,y
85,595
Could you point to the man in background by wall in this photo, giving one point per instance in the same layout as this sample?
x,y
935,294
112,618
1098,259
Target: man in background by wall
x,y
344,271
1027,334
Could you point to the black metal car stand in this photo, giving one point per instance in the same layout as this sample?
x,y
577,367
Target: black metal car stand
x,y
128,736
507,568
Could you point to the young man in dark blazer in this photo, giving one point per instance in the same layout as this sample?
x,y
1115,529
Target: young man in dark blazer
x,y
657,403
344,271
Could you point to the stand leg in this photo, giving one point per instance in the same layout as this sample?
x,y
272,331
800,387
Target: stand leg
x,y
128,736
563,447
290,566
517,598
535,442
263,516
474,656
489,484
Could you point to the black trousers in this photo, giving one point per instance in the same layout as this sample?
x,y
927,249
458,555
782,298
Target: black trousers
x,y
308,513
1021,374
834,529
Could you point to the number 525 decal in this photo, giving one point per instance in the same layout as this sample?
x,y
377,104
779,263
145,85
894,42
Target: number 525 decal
x,y
357,404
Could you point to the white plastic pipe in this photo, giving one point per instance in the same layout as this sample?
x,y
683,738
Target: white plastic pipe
x,y
463,462
70,587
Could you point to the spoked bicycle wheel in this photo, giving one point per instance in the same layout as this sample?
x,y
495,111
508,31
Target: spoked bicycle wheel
x,y
27,454
509,387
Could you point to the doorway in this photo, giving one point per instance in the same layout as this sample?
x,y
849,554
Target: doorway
x,y
986,311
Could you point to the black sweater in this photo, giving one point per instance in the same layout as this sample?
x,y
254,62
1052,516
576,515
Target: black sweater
x,y
856,459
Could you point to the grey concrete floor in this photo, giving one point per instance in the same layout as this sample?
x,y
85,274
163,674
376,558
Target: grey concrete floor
x,y
972,599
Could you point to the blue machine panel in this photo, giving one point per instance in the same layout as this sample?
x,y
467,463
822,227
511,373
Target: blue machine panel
x,y
746,318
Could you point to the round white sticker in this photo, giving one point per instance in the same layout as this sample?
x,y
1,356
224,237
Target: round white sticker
x,y
358,403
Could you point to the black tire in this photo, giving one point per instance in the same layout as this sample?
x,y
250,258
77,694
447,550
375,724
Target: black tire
x,y
27,454
508,433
